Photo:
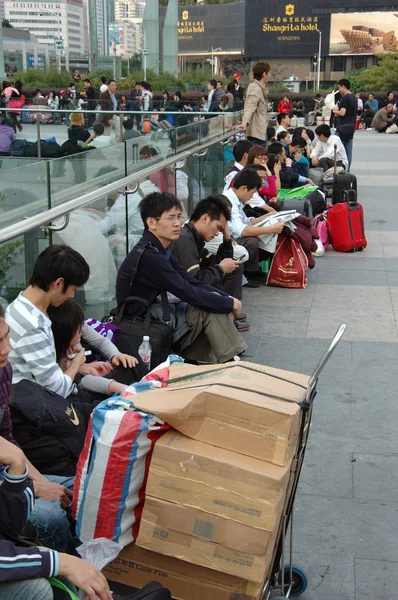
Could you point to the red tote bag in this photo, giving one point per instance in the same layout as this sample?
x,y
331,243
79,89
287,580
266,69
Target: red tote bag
x,y
289,265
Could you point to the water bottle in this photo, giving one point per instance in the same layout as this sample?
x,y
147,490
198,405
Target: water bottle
x,y
145,352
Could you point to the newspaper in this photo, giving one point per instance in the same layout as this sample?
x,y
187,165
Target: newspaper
x,y
267,242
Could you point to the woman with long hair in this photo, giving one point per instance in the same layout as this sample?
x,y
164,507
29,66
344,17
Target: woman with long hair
x,y
258,155
77,132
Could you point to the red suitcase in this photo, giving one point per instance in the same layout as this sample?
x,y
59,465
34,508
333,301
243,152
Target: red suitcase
x,y
346,224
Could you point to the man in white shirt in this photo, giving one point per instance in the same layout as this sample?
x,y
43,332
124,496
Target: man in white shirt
x,y
103,86
97,139
243,228
283,122
323,153
241,153
211,86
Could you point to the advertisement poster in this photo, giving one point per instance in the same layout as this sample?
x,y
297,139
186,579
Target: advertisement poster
x,y
116,41
364,33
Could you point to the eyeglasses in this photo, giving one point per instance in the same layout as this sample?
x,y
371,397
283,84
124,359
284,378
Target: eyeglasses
x,y
261,157
171,218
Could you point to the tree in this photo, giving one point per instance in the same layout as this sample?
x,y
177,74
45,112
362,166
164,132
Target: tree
x,y
7,24
381,77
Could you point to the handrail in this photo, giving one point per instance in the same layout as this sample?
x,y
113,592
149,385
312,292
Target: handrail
x,y
52,214
35,108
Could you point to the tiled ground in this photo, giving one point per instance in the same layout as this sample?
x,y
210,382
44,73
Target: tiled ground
x,y
346,526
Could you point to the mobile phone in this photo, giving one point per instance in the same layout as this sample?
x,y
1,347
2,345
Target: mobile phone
x,y
240,257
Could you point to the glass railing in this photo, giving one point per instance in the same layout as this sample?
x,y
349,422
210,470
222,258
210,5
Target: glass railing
x,y
106,229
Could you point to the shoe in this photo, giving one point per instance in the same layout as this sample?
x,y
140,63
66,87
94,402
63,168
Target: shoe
x,y
255,275
242,326
241,317
251,284
369,129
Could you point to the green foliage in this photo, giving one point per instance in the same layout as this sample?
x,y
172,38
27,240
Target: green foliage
x,y
9,252
51,78
381,77
7,24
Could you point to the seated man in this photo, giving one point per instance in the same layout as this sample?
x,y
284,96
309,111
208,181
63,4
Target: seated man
x,y
298,108
383,118
323,153
59,271
241,153
282,122
242,227
209,218
24,570
97,139
371,107
288,176
205,331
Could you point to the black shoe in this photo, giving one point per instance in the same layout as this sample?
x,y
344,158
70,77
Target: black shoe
x,y
254,274
242,326
251,284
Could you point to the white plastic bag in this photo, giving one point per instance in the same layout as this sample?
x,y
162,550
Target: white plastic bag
x,y
99,552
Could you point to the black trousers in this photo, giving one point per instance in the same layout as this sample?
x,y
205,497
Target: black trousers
x,y
327,163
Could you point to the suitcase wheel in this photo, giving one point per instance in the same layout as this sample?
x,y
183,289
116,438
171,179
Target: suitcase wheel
x,y
299,580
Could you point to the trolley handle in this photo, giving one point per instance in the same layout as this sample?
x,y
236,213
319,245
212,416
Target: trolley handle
x,y
322,363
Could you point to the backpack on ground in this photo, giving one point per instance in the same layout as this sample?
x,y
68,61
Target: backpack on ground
x,y
48,428
18,147
150,591
48,149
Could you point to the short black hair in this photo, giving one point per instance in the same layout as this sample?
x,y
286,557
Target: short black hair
x,y
149,150
215,206
258,167
99,129
240,149
87,80
318,96
247,177
280,117
298,141
178,94
59,261
271,131
103,79
281,135
111,81
323,130
213,82
344,82
273,159
219,82
310,134
155,204
65,322
275,148
128,124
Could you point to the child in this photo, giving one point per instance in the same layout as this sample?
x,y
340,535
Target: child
x,y
69,328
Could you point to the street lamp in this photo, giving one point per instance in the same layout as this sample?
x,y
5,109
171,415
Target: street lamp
x,y
319,60
58,17
212,59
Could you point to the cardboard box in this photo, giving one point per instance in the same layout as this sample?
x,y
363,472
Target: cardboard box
x,y
243,407
217,481
137,567
206,540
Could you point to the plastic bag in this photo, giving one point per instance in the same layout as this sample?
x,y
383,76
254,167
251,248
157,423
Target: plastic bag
x,y
99,552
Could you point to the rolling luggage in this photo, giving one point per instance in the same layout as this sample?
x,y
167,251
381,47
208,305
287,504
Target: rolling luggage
x,y
340,182
346,224
302,205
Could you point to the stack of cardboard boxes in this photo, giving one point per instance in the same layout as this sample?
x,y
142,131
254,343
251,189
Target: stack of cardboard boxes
x,y
218,481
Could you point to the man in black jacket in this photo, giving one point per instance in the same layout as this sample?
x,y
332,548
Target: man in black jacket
x,y
206,331
89,94
210,218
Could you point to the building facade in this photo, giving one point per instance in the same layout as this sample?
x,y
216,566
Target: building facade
x,y
122,39
67,21
98,28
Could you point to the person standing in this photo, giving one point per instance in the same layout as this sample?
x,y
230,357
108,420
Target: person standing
x,y
89,94
347,115
255,111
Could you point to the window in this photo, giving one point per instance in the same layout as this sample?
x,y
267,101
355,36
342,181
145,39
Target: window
x,y
338,63
359,62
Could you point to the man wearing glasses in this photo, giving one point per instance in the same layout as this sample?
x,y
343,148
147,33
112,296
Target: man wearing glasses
x,y
203,327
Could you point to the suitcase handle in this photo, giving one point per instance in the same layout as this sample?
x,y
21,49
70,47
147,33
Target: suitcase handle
x,y
321,364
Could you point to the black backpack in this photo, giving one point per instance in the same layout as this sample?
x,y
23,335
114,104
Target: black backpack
x,y
48,428
151,591
48,150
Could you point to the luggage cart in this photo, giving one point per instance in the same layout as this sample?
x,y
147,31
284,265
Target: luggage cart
x,y
290,578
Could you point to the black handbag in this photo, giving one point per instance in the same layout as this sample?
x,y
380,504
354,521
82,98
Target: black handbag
x,y
135,328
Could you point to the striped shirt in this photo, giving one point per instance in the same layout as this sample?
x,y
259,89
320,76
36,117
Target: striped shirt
x,y
32,353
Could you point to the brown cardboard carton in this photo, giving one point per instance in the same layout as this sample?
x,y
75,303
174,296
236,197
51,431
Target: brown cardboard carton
x,y
136,567
243,407
203,539
217,481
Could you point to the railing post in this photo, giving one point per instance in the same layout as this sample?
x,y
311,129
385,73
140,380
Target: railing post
x,y
38,120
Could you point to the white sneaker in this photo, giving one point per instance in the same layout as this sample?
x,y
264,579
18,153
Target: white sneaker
x,y
236,358
369,129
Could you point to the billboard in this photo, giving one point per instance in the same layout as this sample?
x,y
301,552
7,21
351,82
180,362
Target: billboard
x,y
116,41
284,30
201,27
364,33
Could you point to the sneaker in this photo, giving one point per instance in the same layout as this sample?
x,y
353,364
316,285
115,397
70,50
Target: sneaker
x,y
242,326
251,284
369,129
236,358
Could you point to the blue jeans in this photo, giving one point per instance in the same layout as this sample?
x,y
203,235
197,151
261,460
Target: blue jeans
x,y
347,143
54,525
31,589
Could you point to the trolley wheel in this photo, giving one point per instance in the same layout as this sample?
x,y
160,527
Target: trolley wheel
x,y
300,580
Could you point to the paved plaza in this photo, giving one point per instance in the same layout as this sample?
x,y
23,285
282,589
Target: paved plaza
x,y
346,525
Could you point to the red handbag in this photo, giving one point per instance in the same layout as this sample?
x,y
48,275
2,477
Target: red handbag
x,y
288,265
